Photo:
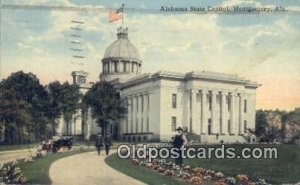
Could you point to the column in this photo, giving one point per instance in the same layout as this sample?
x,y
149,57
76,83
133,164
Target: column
x,y
195,127
241,119
140,113
134,113
145,112
127,130
148,112
214,118
236,110
232,113
204,121
224,118
188,111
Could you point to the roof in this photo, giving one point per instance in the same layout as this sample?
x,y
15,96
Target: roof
x,y
193,75
122,48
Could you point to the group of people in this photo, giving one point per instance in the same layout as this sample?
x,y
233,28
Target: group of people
x,y
105,142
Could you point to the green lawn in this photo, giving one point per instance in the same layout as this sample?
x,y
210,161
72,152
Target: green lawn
x,y
18,147
284,169
38,171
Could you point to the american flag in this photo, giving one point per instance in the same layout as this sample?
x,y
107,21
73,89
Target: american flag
x,y
115,15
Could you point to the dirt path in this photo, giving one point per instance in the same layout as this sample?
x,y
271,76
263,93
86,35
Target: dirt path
x,y
87,169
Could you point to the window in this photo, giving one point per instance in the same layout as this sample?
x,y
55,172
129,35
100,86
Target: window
x,y
173,123
191,125
147,124
137,125
116,66
229,126
210,102
174,101
126,127
245,126
245,106
142,125
228,103
131,123
108,67
148,102
137,103
209,126
124,67
132,67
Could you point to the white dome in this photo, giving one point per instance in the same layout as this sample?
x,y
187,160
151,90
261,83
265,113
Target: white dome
x,y
122,48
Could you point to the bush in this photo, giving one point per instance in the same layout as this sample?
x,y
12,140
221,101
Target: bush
x,y
10,173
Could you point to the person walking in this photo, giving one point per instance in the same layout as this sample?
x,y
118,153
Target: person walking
x,y
99,143
107,143
179,142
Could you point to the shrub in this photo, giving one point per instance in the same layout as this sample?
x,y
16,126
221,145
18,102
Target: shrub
x,y
10,173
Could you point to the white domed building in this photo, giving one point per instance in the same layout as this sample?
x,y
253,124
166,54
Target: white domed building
x,y
212,107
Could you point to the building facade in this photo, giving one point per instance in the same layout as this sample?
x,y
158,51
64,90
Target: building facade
x,y
214,107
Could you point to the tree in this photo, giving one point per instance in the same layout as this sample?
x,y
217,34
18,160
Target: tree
x,y
28,101
106,104
55,104
261,123
14,114
69,101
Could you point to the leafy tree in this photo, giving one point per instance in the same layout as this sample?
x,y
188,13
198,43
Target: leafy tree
x,y
64,99
106,104
55,104
27,105
261,123
14,114
69,101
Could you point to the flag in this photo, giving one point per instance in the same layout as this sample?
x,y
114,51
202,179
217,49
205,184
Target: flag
x,y
115,15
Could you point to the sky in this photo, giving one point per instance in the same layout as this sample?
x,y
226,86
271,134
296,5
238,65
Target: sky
x,y
261,47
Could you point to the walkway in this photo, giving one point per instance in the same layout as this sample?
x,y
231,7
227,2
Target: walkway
x,y
87,168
